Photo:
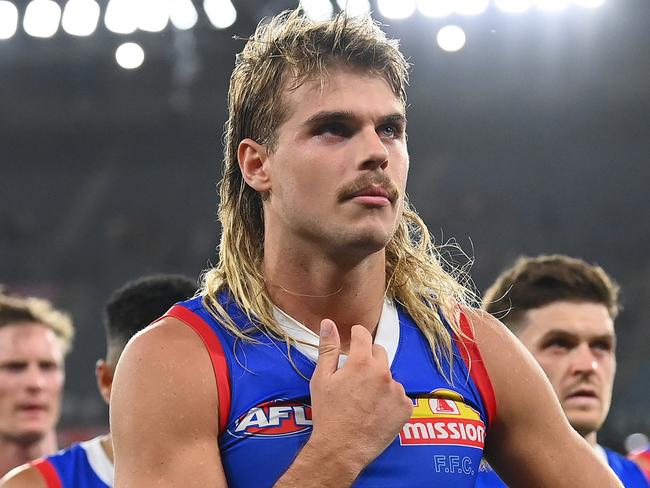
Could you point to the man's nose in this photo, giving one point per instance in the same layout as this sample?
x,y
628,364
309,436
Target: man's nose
x,y
584,361
34,378
373,151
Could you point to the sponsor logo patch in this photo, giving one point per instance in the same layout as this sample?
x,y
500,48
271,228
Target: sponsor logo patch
x,y
443,418
277,418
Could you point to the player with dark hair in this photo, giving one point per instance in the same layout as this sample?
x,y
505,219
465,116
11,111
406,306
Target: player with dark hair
x,y
89,464
563,310
34,340
329,347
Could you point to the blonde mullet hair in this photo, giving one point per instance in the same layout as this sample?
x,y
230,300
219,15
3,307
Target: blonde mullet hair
x,y
281,55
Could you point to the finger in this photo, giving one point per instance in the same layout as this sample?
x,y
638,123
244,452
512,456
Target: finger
x,y
329,348
380,354
360,343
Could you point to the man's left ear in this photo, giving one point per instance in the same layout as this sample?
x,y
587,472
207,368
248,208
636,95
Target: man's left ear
x,y
252,158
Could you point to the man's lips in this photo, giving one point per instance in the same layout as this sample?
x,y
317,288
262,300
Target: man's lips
x,y
375,192
583,393
32,407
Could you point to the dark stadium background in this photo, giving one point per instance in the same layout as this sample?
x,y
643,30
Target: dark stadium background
x,y
534,138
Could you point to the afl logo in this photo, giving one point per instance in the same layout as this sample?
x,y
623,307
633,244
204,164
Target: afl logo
x,y
277,418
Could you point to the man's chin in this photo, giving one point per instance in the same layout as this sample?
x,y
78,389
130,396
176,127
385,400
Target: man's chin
x,y
585,422
27,437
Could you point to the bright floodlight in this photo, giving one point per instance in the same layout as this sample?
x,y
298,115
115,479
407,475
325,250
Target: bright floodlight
x,y
317,9
42,18
183,14
153,15
551,5
513,6
80,17
129,55
354,7
8,19
392,9
589,3
120,17
451,38
436,8
222,13
472,7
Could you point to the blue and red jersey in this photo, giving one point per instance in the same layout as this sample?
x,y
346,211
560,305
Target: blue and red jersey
x,y
83,465
265,405
627,471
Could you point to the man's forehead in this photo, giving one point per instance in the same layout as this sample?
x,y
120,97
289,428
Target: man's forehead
x,y
21,337
570,318
305,93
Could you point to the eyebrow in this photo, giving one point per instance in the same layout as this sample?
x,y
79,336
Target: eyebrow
x,y
347,116
564,333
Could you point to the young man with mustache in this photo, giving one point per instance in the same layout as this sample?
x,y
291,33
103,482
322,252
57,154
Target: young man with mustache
x,y
329,347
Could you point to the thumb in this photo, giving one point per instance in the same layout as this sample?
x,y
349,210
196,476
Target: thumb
x,y
329,348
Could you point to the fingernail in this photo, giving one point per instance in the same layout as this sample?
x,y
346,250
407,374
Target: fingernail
x,y
325,329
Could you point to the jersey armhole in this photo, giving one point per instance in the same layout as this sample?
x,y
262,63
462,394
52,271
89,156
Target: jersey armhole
x,y
217,357
476,366
48,472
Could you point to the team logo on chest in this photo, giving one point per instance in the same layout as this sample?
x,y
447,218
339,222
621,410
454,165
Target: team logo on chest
x,y
277,418
443,417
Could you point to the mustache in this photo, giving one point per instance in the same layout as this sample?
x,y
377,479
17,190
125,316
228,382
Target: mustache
x,y
368,182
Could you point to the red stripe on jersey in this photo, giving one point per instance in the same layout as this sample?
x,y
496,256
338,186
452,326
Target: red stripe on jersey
x,y
476,366
49,473
217,357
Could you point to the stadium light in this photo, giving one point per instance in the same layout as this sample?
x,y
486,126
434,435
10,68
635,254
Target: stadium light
x,y
513,6
437,8
153,15
451,38
317,9
472,7
129,55
396,10
42,18
8,20
354,7
120,17
221,13
80,17
551,5
183,14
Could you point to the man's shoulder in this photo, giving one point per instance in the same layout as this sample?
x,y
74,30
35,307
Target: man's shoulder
x,y
24,476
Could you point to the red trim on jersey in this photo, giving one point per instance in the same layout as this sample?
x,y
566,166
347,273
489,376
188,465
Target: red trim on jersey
x,y
217,357
49,473
474,361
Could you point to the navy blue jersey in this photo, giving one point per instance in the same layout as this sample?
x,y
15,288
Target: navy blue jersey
x,y
265,405
83,465
627,471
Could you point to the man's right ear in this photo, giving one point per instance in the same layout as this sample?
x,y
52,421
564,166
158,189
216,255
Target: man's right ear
x,y
253,163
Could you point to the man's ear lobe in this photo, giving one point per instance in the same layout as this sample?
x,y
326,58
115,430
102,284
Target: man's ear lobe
x,y
252,158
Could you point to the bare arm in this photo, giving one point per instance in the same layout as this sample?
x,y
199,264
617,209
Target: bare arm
x,y
164,411
530,443
24,476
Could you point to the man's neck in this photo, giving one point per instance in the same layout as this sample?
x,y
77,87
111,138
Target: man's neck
x,y
348,295
14,453
591,439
